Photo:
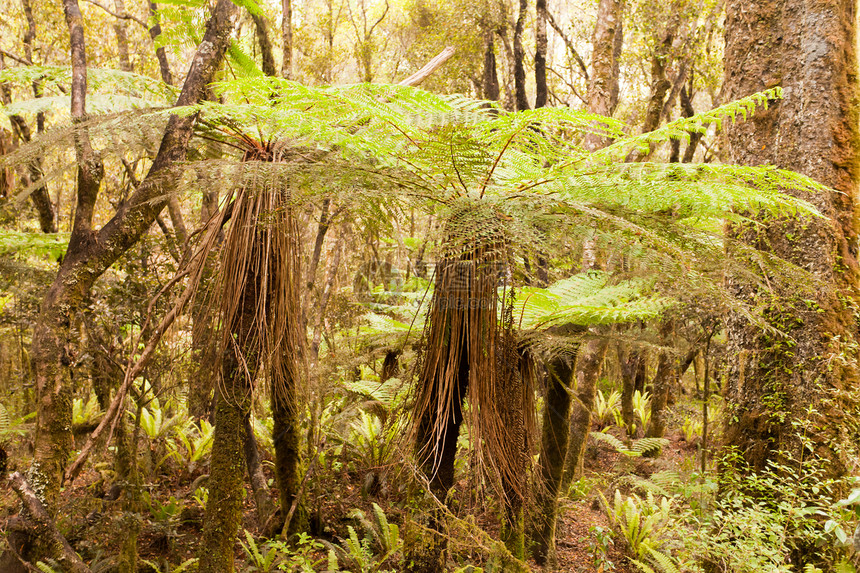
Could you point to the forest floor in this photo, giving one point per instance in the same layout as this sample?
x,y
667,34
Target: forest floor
x,y
90,516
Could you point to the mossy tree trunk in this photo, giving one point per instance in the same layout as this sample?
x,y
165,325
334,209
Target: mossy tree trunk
x,y
586,373
664,379
554,443
287,441
806,376
226,472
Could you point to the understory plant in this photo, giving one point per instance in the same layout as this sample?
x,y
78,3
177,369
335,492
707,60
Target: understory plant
x,y
784,519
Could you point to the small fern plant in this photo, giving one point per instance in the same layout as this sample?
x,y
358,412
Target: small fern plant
x,y
642,447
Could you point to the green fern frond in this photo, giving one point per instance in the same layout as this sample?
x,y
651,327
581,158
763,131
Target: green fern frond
x,y
613,442
56,79
682,128
586,299
5,424
649,446
34,244
243,65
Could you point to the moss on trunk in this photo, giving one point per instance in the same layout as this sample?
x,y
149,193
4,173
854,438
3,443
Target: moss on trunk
x,y
226,484
286,438
554,442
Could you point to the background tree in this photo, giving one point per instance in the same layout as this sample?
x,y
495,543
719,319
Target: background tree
x,y
769,391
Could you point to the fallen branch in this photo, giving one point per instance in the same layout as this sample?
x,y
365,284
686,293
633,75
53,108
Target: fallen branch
x,y
43,528
428,68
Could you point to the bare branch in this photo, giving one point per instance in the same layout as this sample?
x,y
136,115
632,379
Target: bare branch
x,y
14,57
429,68
567,43
125,16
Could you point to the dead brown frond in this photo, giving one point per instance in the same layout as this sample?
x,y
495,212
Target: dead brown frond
x,y
470,367
260,277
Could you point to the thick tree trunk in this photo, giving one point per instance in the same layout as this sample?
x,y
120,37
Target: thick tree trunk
x,y
90,253
287,441
490,87
239,365
776,382
267,55
226,478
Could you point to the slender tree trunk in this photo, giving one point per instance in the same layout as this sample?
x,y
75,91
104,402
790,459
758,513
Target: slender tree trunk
x,y
664,378
522,101
554,445
632,378
259,485
39,196
120,28
160,53
540,54
779,383
287,36
688,111
587,372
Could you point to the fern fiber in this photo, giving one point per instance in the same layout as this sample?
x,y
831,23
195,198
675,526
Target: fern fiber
x,y
470,357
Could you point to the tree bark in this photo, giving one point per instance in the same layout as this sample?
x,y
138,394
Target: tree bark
x,y
120,28
775,382
554,445
43,530
39,196
520,98
587,372
664,378
603,83
287,36
261,28
90,252
490,83
540,54
632,378
160,53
